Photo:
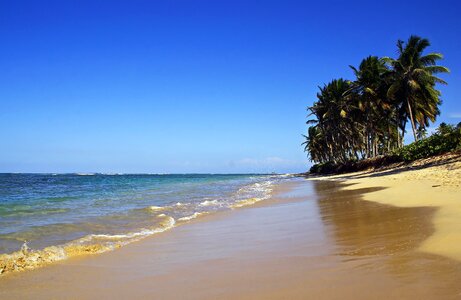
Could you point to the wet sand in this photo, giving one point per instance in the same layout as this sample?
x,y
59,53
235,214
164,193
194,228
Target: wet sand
x,y
312,240
436,185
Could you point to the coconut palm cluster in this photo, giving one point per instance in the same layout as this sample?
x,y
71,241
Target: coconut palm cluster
x,y
367,117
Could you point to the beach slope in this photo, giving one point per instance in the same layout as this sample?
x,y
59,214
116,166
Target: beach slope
x,y
312,239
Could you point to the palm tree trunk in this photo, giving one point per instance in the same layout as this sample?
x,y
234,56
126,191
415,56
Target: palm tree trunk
x,y
403,133
413,126
373,144
398,132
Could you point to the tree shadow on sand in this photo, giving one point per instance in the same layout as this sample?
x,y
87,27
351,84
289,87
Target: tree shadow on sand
x,y
381,236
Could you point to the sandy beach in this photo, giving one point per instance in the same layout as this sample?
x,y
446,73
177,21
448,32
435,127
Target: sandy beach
x,y
434,182
356,236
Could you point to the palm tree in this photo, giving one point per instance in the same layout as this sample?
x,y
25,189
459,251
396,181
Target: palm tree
x,y
363,118
376,111
334,121
315,144
414,82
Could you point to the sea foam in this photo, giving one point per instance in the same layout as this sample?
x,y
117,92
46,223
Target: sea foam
x,y
27,259
209,203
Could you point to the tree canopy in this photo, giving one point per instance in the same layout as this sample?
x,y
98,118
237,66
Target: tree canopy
x,y
367,117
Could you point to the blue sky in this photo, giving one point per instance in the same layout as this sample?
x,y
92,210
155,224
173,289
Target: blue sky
x,y
189,86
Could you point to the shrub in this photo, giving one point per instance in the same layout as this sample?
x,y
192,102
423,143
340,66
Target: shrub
x,y
324,168
446,139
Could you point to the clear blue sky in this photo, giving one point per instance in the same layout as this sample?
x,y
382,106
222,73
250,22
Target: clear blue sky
x,y
190,86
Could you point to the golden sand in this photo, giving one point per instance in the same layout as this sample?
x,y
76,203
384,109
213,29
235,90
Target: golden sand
x,y
436,186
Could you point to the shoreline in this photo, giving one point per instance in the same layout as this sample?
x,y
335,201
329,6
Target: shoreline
x,y
312,237
158,219
434,182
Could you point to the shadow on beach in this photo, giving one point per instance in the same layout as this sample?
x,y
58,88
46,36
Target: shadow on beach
x,y
384,237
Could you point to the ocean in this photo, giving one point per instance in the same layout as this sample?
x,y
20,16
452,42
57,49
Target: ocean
x,y
54,216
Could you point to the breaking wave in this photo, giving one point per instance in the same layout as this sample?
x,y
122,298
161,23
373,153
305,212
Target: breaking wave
x,y
162,217
28,259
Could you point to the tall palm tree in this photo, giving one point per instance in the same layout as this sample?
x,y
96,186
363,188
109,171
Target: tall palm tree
x,y
414,82
363,118
376,111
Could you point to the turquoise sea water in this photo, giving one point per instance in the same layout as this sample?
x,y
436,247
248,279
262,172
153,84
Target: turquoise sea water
x,y
61,209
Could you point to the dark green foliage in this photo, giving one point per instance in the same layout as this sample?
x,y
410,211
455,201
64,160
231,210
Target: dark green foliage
x,y
353,166
446,139
324,168
414,80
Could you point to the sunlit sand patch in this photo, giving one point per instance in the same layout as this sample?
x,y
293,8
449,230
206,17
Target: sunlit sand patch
x,y
447,238
436,186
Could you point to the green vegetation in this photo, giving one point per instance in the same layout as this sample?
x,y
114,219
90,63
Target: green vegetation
x,y
355,121
447,138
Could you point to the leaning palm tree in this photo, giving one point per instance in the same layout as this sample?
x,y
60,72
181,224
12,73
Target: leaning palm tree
x,y
414,82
